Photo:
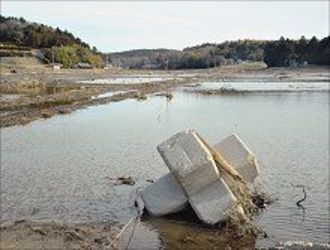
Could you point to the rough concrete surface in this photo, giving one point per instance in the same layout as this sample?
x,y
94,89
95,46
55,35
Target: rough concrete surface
x,y
164,196
211,203
234,150
189,160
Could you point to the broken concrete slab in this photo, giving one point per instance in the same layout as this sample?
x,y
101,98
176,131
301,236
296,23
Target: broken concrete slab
x,y
209,199
211,203
194,168
189,160
234,150
164,196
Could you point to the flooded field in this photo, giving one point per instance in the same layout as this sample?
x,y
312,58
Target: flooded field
x,y
59,168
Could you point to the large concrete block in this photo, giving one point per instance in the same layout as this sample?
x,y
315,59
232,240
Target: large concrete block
x,y
194,177
190,161
234,150
164,196
211,203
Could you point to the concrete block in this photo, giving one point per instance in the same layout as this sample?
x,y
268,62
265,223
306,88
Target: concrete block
x,y
234,150
190,161
196,179
211,203
164,196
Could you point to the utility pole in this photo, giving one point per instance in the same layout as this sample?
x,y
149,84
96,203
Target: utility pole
x,y
53,55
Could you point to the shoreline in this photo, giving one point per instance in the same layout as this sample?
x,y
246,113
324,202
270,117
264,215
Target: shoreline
x,y
172,235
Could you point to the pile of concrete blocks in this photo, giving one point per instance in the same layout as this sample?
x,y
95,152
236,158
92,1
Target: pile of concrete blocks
x,y
194,177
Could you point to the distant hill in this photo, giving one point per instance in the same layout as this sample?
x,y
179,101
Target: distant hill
x,y
144,58
201,56
277,53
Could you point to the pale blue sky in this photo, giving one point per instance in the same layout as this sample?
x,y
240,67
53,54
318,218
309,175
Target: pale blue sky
x,y
117,26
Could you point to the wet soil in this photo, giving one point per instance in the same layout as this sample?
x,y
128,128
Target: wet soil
x,y
52,235
176,235
183,230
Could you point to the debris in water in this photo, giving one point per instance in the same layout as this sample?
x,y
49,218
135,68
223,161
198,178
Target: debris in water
x,y
302,199
124,180
212,180
168,95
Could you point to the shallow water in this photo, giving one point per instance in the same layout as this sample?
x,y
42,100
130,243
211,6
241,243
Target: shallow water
x,y
58,168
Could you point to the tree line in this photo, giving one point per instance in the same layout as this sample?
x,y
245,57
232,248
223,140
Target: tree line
x,y
286,52
277,53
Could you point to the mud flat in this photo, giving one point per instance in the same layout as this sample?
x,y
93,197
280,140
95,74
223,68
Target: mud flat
x,y
174,235
258,74
223,88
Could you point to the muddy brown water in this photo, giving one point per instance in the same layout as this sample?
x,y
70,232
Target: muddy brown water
x,y
57,169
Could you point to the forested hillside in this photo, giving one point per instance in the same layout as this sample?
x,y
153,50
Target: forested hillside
x,y
279,53
67,48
